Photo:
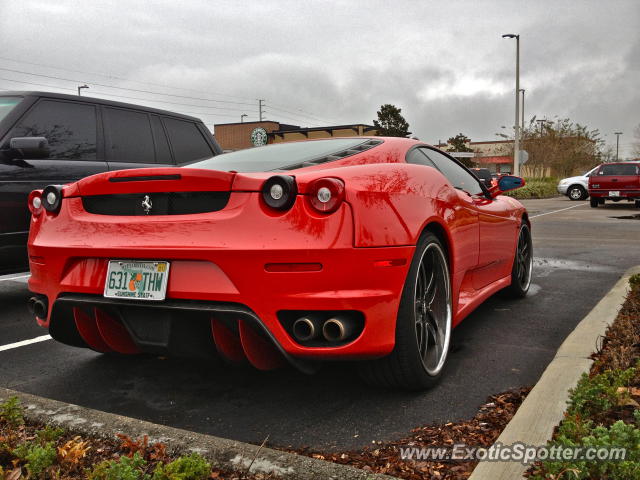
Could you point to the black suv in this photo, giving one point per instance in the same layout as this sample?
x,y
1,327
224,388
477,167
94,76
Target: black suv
x,y
50,138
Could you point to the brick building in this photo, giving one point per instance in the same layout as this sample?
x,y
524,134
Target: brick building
x,y
236,136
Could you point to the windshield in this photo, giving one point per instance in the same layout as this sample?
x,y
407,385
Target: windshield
x,y
277,156
7,104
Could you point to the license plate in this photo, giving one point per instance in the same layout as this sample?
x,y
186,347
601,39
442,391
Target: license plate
x,y
614,193
137,280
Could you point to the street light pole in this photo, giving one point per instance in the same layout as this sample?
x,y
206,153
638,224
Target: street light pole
x,y
80,87
617,134
242,117
522,131
516,140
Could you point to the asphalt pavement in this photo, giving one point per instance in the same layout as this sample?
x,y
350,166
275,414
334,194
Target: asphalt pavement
x,y
580,253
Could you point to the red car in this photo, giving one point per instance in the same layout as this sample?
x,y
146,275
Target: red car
x,y
368,249
615,181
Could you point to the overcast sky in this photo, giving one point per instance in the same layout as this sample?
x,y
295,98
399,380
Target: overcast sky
x,y
335,62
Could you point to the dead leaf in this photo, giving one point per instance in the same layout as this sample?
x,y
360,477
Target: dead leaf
x,y
14,474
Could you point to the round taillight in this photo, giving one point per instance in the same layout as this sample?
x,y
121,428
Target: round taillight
x,y
326,194
52,198
35,202
280,192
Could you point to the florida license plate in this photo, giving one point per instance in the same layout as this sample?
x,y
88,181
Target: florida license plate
x,y
614,193
137,280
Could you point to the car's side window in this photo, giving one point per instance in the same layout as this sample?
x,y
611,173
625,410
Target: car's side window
x,y
186,140
417,156
128,136
69,127
457,175
163,153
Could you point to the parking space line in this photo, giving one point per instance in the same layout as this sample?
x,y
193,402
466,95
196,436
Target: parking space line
x,y
13,277
556,211
23,343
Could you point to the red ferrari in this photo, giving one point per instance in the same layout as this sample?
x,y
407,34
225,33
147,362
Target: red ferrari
x,y
367,249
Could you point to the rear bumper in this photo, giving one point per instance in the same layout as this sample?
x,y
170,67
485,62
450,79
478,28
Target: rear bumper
x,y
215,262
623,194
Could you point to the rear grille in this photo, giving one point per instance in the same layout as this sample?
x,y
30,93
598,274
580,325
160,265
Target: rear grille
x,y
171,203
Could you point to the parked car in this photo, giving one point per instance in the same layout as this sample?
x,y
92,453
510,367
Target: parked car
x,y
576,188
615,181
484,174
367,249
49,138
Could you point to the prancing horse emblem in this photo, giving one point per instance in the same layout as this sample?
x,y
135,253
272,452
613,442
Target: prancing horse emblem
x,y
147,204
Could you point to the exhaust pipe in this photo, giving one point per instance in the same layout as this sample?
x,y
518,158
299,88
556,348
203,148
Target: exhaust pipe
x,y
305,329
38,306
337,329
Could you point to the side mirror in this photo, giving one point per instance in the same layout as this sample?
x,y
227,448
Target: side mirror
x,y
505,184
29,147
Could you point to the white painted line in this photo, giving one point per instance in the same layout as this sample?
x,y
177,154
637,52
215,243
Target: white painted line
x,y
13,277
23,343
556,211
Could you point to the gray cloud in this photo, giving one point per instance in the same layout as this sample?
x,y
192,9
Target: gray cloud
x,y
443,62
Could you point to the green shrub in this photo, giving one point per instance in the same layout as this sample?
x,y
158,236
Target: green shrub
x,y
37,457
634,280
124,469
191,467
599,393
49,434
11,411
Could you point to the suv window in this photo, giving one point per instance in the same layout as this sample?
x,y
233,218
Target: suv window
x,y
187,141
163,153
618,169
419,157
69,127
456,174
128,136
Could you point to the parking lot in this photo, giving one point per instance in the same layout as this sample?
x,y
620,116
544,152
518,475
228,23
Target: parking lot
x,y
580,253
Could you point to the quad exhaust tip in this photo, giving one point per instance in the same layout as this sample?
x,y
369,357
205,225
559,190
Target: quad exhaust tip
x,y
305,329
38,307
337,329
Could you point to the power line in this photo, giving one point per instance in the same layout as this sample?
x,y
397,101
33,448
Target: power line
x,y
300,114
53,77
95,92
120,78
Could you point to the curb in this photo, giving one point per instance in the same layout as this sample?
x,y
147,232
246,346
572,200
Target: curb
x,y
544,407
221,453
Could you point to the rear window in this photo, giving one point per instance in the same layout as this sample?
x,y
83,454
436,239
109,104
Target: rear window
x,y
619,169
279,156
7,104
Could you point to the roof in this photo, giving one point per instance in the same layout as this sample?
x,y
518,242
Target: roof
x,y
100,101
494,159
352,126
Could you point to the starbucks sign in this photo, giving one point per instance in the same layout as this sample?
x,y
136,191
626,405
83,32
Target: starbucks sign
x,y
259,137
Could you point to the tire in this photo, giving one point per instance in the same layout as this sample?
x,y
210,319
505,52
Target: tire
x,y
577,192
594,202
522,265
423,330
637,203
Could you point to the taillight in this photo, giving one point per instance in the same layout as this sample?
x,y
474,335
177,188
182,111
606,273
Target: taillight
x,y
280,192
35,202
52,198
326,194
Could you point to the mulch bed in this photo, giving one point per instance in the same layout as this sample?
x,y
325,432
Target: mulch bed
x,y
482,430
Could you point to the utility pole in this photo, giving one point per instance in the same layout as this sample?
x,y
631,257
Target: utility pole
x,y
541,123
260,105
80,87
617,134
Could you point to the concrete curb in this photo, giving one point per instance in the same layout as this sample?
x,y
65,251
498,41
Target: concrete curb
x,y
220,452
544,407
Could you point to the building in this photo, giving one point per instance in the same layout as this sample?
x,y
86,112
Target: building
x,y
237,136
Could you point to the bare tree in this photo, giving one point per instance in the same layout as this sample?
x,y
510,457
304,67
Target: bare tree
x,y
636,143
